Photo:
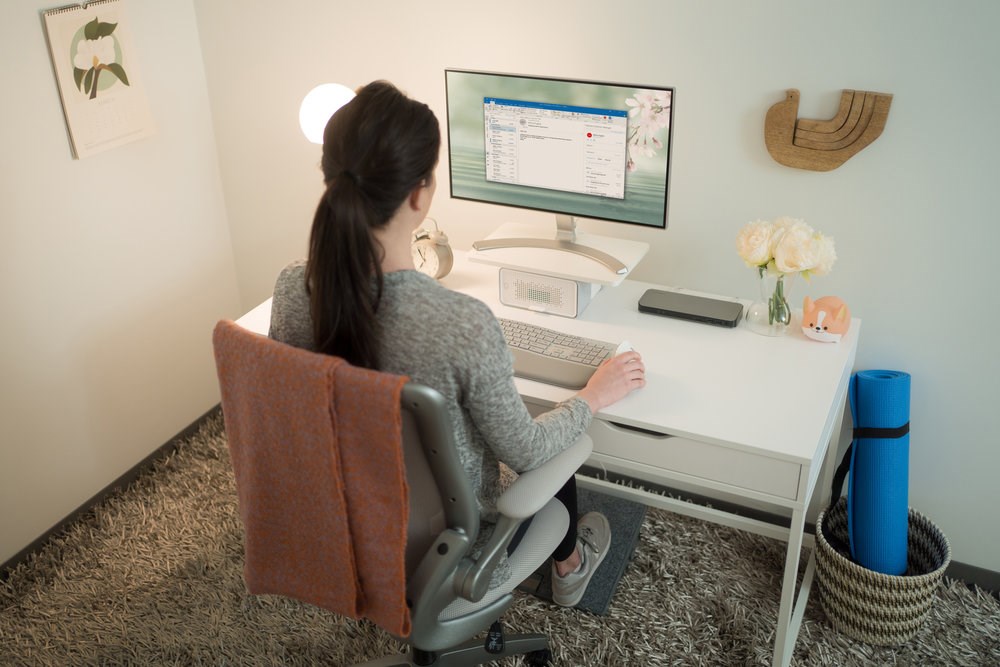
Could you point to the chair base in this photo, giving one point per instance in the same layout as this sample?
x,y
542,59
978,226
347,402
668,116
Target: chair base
x,y
468,654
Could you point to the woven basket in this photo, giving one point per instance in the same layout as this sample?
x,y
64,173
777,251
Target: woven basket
x,y
869,606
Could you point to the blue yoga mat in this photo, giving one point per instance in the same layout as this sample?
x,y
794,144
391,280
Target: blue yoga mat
x,y
877,493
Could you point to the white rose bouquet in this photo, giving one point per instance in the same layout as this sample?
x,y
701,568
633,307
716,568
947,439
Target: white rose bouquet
x,y
784,247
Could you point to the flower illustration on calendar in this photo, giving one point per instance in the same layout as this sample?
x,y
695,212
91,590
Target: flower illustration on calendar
x,y
97,57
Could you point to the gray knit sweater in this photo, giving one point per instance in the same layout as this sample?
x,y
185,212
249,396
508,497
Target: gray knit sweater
x,y
453,343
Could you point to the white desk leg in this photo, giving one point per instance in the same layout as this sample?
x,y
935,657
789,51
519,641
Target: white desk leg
x,y
792,609
785,634
830,462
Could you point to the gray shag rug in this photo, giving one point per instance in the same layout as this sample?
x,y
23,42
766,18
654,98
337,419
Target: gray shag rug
x,y
153,576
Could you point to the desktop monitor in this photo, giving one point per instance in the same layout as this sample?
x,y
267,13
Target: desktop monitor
x,y
570,147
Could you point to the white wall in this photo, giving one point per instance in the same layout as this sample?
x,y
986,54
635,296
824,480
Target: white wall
x,y
113,270
913,215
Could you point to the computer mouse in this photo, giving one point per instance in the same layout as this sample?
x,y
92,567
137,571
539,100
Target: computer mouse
x,y
624,346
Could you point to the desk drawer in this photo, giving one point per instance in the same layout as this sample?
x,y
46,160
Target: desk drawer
x,y
680,458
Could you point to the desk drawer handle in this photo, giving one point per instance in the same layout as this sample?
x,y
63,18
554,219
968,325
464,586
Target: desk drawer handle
x,y
636,429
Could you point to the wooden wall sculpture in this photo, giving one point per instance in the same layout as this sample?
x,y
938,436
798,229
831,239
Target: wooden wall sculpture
x,y
822,145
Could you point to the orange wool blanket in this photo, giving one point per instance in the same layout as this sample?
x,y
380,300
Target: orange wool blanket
x,y
316,448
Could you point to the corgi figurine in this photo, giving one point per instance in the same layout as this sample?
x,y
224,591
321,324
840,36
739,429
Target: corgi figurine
x,y
826,319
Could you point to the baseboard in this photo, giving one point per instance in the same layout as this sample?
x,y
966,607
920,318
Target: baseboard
x,y
971,575
121,482
987,580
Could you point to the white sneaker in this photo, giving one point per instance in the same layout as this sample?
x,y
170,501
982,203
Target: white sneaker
x,y
593,540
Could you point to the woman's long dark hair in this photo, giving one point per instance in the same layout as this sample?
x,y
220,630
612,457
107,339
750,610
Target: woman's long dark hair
x,y
377,149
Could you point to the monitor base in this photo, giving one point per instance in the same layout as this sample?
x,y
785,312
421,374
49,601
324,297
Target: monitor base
x,y
569,254
554,244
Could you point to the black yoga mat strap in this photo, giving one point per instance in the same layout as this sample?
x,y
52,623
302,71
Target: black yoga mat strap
x,y
839,476
845,463
882,433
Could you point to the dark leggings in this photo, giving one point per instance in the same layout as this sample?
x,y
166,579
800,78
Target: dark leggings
x,y
567,496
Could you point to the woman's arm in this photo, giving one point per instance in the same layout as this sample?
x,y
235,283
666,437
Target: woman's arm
x,y
496,409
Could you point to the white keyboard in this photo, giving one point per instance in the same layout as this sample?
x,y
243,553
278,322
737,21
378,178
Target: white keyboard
x,y
551,356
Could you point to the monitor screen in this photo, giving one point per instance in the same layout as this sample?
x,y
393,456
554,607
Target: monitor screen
x,y
576,148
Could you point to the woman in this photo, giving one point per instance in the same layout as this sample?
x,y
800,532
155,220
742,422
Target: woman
x,y
358,297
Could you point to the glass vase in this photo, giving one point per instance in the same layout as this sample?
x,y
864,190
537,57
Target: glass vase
x,y
771,315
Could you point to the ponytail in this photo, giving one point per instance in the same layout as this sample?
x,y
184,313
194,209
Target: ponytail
x,y
377,149
343,256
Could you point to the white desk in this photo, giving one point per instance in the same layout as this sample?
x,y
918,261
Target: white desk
x,y
739,414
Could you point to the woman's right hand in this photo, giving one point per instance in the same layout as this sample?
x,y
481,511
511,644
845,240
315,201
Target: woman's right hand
x,y
615,379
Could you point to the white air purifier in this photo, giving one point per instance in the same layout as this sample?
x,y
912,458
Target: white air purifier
x,y
545,294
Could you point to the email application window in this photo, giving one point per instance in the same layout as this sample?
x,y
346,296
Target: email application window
x,y
555,146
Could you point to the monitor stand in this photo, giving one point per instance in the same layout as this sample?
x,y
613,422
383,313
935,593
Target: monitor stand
x,y
565,240
529,248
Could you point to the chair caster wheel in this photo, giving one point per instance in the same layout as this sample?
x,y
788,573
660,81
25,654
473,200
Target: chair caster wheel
x,y
542,658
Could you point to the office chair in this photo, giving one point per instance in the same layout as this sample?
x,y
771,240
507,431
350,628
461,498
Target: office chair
x,y
447,583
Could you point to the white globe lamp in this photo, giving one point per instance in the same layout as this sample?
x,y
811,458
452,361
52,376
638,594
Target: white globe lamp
x,y
318,105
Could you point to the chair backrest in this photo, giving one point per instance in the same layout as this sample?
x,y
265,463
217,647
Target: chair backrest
x,y
320,475
443,521
259,375
439,490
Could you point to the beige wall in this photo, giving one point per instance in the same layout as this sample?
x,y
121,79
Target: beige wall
x,y
113,270
914,214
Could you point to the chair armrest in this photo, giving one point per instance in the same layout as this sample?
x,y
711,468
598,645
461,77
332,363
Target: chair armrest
x,y
532,489
522,500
